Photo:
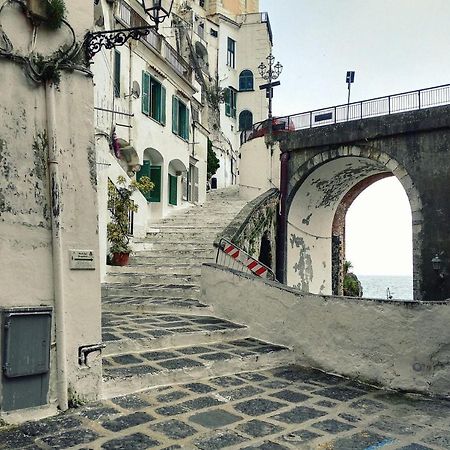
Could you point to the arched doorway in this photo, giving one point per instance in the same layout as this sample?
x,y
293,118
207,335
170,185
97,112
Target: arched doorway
x,y
177,182
325,188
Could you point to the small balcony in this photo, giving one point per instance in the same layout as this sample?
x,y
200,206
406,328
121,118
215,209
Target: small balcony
x,y
130,18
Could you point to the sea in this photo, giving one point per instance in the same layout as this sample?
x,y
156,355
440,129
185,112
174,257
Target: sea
x,y
382,286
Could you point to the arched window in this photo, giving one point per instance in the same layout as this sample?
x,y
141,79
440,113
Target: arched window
x,y
245,120
246,80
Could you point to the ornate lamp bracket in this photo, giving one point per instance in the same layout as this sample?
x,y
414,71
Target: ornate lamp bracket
x,y
97,40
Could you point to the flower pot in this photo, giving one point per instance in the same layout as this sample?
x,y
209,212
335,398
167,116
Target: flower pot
x,y
120,259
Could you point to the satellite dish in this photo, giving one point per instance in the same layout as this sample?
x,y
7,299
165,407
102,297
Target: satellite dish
x,y
136,90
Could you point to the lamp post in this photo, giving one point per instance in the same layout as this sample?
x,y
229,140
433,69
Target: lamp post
x,y
270,72
157,10
349,79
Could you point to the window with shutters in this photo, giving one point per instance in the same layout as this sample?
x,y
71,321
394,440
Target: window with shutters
x,y
180,118
116,73
153,98
245,120
246,80
154,173
230,102
231,53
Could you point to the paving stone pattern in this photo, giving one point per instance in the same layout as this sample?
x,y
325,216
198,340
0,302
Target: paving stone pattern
x,y
303,414
155,328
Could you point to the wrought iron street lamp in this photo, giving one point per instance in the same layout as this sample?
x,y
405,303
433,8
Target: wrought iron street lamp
x,y
270,72
157,10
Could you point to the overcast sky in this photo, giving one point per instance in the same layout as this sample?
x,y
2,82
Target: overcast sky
x,y
393,46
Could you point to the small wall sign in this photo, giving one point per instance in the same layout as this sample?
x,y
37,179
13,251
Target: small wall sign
x,y
82,260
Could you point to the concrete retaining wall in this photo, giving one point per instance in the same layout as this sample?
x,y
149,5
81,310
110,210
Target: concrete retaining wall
x,y
399,345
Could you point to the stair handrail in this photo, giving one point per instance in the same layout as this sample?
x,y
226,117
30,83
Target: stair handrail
x,y
230,254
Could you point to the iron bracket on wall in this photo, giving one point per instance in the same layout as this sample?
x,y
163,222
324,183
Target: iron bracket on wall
x,y
95,41
85,350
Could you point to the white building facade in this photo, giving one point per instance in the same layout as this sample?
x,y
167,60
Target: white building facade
x,y
161,102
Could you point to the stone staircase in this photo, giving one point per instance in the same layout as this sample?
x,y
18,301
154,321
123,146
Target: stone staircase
x,y
156,330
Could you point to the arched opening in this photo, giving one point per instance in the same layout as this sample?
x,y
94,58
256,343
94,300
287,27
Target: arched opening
x,y
326,186
177,182
378,240
246,80
245,120
152,167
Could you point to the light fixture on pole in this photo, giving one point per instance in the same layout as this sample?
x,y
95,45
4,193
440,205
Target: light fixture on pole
x,y
349,79
270,72
157,10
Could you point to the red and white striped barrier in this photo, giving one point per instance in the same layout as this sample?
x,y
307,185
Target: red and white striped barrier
x,y
252,264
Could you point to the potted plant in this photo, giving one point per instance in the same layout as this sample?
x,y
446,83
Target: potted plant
x,y
120,205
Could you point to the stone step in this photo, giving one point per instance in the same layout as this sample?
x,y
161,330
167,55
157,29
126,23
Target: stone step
x,y
170,259
151,278
178,234
162,269
208,219
178,254
125,332
146,305
133,372
190,227
173,246
128,290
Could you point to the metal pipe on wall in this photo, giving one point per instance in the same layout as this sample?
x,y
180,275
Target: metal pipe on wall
x,y
282,219
57,252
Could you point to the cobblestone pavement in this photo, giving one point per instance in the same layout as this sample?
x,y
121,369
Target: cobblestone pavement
x,y
179,358
131,325
287,408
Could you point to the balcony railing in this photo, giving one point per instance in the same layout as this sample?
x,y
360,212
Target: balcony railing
x,y
131,18
176,61
380,106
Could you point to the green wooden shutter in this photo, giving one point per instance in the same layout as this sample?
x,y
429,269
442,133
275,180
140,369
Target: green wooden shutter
x,y
175,115
187,125
145,93
172,190
163,105
155,177
116,73
144,172
227,102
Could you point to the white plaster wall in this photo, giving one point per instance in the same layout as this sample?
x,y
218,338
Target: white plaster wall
x,y
259,168
398,345
27,278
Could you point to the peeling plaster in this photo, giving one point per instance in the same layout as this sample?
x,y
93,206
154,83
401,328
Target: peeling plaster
x,y
303,267
335,187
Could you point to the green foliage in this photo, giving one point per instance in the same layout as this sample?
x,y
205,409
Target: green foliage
x,y
213,162
56,11
347,266
120,203
47,70
352,286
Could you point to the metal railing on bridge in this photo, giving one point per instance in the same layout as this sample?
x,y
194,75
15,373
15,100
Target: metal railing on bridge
x,y
380,106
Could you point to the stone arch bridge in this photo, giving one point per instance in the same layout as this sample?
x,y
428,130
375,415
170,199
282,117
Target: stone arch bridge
x,y
326,167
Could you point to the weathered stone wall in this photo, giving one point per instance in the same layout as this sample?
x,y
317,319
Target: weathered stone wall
x,y
413,146
257,218
28,276
399,345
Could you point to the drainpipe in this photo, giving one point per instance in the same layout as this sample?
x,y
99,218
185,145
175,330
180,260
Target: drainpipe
x,y
282,218
57,252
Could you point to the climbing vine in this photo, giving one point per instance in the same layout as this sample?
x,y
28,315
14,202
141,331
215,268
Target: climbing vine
x,y
39,68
